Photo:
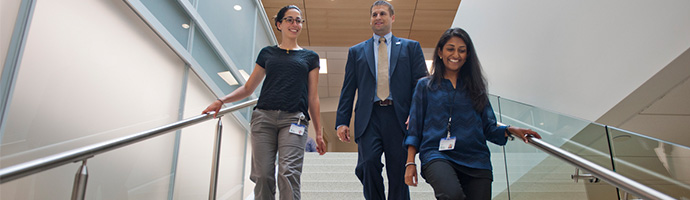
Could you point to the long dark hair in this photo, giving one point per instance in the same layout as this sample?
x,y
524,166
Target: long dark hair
x,y
281,14
470,74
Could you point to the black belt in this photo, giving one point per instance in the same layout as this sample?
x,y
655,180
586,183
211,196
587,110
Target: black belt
x,y
386,102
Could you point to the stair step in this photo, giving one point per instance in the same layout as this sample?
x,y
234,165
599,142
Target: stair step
x,y
332,176
321,185
356,195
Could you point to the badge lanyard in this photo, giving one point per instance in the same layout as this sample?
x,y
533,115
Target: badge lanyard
x,y
448,143
450,114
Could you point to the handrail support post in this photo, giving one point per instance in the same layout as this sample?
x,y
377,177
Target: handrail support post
x,y
577,176
80,179
216,158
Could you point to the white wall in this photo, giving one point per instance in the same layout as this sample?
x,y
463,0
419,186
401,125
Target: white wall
x,y
575,57
93,71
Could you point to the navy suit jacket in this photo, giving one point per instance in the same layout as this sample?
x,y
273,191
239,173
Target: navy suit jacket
x,y
407,65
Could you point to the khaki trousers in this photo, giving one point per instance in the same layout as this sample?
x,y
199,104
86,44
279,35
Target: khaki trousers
x,y
270,136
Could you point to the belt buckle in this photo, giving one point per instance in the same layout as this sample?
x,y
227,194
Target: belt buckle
x,y
385,102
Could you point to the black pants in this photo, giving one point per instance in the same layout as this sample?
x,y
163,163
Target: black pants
x,y
455,182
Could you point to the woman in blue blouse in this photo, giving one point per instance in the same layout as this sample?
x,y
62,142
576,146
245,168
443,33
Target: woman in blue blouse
x,y
451,120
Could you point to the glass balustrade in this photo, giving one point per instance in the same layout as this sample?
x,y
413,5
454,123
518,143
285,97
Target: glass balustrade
x,y
218,40
655,163
532,174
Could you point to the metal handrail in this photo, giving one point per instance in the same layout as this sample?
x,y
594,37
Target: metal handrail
x,y
81,154
77,155
600,172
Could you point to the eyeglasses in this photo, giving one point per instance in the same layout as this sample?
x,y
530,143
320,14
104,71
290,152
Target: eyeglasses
x,y
291,20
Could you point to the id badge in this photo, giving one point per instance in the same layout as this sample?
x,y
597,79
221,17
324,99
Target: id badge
x,y
297,129
447,144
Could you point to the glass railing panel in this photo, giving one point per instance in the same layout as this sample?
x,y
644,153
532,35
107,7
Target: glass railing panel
x,y
500,184
193,174
577,136
655,163
498,162
88,85
531,170
137,172
537,175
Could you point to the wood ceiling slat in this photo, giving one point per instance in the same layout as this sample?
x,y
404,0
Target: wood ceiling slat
x,y
281,3
427,39
433,19
403,19
346,22
334,37
357,4
337,19
438,5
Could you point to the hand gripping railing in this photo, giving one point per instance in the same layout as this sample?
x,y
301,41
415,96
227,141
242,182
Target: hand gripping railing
x,y
82,154
600,172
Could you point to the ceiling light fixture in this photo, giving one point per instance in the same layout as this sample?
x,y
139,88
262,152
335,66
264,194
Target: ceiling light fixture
x,y
228,78
237,7
324,66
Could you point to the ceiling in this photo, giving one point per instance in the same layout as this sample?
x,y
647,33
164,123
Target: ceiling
x,y
344,23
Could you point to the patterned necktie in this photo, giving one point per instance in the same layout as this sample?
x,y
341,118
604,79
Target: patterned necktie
x,y
382,75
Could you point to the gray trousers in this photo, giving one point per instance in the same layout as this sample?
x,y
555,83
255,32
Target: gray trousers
x,y
270,135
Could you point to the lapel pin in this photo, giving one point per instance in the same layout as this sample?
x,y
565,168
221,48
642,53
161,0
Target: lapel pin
x,y
397,43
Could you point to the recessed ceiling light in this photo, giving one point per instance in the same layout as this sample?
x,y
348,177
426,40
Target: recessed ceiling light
x,y
244,74
237,7
324,66
228,78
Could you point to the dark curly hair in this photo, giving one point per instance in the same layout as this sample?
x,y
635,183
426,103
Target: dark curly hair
x,y
281,14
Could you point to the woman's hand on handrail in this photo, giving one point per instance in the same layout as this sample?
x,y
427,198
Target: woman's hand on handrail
x,y
523,133
215,106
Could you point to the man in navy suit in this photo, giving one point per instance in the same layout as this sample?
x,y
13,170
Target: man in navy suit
x,y
384,86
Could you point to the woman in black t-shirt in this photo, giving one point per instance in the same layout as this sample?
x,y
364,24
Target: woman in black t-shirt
x,y
280,119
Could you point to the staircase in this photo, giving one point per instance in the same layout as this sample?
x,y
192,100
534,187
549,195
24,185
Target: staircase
x,y
332,177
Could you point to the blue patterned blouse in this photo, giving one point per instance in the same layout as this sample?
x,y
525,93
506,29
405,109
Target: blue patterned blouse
x,y
429,115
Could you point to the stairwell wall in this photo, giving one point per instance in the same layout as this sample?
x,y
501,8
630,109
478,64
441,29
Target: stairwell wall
x,y
575,57
93,71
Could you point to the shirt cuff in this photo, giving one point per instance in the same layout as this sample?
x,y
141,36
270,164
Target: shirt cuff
x,y
501,138
411,141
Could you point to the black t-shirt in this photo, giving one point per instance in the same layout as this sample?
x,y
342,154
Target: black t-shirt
x,y
287,78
